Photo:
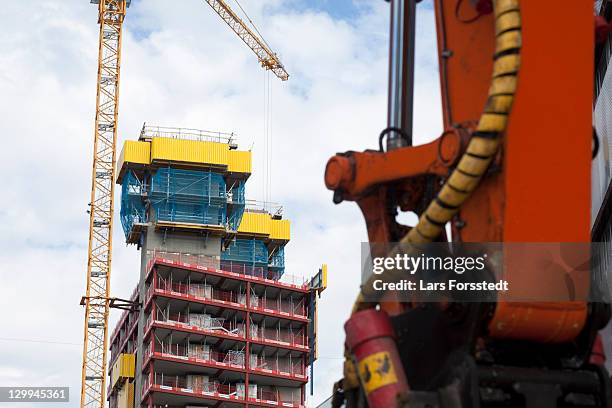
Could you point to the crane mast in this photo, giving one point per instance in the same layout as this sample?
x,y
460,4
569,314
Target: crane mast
x,y
96,301
268,59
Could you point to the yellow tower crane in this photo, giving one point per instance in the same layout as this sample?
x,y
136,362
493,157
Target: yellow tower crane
x,y
97,300
268,59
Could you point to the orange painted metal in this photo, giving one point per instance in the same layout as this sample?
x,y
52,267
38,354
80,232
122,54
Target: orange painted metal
x,y
541,192
547,158
548,146
354,173
543,322
369,178
465,60
544,155
538,190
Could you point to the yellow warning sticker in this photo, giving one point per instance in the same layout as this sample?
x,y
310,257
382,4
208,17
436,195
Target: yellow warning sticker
x,y
376,370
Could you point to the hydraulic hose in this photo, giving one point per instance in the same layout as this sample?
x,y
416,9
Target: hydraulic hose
x,y
484,142
481,150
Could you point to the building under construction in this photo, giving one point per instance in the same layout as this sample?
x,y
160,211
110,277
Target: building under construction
x,y
212,322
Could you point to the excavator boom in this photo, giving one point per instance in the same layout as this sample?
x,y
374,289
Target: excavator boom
x,y
516,134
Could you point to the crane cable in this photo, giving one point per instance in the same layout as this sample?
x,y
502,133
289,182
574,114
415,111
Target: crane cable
x,y
269,136
267,125
483,144
265,139
267,142
252,23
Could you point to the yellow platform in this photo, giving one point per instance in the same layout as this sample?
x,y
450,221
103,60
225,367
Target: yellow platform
x,y
261,224
219,229
123,369
160,151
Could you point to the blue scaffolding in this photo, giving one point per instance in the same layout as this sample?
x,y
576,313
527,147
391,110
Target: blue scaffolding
x,y
250,252
276,263
188,196
235,204
182,196
132,204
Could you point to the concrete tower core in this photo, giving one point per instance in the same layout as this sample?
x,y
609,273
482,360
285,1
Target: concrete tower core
x,y
216,326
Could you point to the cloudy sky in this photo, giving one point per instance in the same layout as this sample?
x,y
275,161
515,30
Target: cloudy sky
x,y
183,67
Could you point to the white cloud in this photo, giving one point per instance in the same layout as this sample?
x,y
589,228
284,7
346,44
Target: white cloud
x,y
181,67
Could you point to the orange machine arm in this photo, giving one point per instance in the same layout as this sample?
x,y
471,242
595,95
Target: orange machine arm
x,y
501,205
517,100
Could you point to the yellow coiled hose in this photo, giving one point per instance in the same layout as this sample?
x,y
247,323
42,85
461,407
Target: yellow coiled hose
x,y
480,151
485,141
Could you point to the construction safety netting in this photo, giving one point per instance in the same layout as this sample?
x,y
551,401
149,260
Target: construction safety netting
x,y
182,196
235,204
251,252
132,205
276,263
188,196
